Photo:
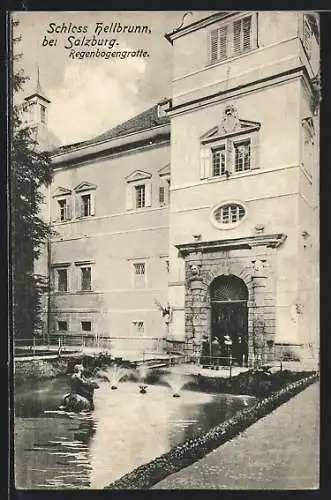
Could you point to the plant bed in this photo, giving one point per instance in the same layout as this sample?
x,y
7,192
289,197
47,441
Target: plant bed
x,y
147,475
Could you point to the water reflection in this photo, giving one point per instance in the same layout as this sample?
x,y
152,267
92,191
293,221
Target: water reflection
x,y
126,430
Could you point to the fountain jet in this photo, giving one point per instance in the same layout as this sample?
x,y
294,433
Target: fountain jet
x,y
176,382
142,373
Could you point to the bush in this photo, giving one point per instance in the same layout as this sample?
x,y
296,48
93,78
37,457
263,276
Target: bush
x,y
39,369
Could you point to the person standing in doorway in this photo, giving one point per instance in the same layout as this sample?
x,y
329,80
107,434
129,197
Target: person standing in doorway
x,y
216,351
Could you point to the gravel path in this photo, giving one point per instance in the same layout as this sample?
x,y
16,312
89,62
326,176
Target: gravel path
x,y
280,451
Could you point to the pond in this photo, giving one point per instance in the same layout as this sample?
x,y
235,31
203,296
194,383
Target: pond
x,y
126,430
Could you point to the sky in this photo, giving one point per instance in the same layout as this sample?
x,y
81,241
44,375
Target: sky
x,y
91,95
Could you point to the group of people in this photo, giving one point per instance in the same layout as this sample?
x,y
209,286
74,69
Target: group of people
x,y
214,351
80,397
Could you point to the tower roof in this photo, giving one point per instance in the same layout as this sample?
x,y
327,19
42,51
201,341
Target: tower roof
x,y
38,90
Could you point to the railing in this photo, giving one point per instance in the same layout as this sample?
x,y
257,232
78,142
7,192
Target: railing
x,y
61,342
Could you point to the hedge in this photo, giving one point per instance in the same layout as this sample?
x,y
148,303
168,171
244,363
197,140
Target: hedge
x,y
147,475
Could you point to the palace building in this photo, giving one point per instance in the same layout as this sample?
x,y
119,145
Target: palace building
x,y
206,202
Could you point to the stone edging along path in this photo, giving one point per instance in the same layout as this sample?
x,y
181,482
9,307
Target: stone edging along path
x,y
190,451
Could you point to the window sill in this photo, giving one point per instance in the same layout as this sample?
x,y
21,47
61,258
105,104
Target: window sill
x,y
232,57
231,176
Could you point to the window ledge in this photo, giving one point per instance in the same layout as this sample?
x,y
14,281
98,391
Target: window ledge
x,y
231,58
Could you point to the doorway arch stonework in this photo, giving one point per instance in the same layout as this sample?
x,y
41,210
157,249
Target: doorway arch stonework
x,y
256,268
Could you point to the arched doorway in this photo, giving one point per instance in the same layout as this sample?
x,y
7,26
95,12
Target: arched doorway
x,y
229,316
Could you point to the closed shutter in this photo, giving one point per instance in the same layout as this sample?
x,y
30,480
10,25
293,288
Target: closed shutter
x,y
55,211
237,37
148,194
213,45
222,43
205,162
78,206
255,156
92,200
247,28
129,197
68,209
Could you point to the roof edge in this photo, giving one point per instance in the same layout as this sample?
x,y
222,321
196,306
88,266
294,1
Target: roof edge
x,y
178,32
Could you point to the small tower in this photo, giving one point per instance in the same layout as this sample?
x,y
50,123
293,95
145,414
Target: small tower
x,y
37,105
36,108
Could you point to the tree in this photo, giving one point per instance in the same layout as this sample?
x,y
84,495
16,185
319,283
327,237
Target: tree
x,y
30,170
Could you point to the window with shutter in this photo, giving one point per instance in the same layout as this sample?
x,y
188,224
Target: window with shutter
x,y
214,46
161,196
247,28
205,162
233,39
307,36
237,37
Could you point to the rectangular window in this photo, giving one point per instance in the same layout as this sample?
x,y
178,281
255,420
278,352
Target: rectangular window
x,y
62,326
242,156
138,327
62,280
218,44
167,263
161,196
86,326
140,195
139,270
225,42
63,209
218,162
86,205
42,114
86,282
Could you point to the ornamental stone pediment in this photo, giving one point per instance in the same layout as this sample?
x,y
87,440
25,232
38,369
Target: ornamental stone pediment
x,y
61,191
85,186
164,170
230,124
138,175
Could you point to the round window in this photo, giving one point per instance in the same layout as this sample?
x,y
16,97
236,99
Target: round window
x,y
228,215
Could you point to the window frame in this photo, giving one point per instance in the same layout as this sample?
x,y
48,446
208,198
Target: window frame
x,y
81,191
229,27
238,143
140,188
222,146
80,265
229,225
208,145
134,329
58,321
134,264
56,267
86,321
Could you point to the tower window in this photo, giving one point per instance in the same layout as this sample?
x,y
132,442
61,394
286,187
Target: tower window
x,y
42,114
218,162
242,159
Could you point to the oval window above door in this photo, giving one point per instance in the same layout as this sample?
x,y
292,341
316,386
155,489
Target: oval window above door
x,y
228,215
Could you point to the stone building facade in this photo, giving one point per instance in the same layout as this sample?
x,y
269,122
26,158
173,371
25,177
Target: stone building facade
x,y
244,176
231,244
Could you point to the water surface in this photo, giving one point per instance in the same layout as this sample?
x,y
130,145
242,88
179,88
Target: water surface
x,y
126,430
